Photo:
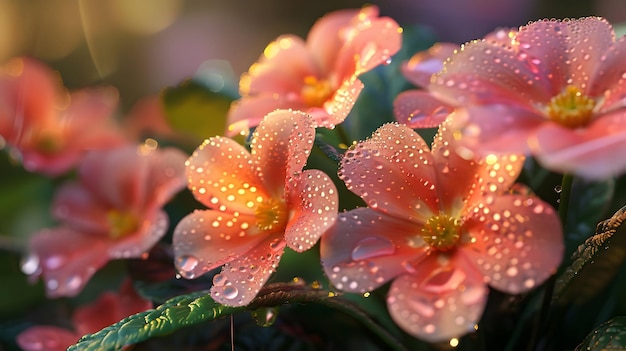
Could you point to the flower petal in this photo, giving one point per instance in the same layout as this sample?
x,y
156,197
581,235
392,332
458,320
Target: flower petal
x,y
205,240
77,207
365,249
337,108
46,338
67,259
315,203
445,304
242,278
325,38
153,228
420,109
608,80
248,111
392,171
420,68
593,153
280,146
221,175
519,241
167,175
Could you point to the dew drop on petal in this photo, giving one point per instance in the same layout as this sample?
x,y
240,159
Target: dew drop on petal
x,y
186,265
30,265
371,247
230,292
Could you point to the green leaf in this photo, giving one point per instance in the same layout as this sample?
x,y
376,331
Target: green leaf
x,y
199,307
193,109
595,262
609,336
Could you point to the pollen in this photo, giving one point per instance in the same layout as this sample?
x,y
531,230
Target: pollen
x,y
442,232
571,108
121,223
316,92
271,214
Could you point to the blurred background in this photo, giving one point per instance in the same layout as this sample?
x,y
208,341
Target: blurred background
x,y
141,46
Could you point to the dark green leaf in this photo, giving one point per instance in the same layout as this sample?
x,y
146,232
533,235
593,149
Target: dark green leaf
x,y
609,336
595,262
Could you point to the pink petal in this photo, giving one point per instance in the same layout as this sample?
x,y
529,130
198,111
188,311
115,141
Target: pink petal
x,y
167,175
280,146
108,309
485,72
205,240
77,207
153,228
67,259
420,68
46,338
281,69
314,202
365,249
339,105
593,153
446,303
242,278
608,80
392,171
248,111
519,241
567,50
326,37
221,175
420,109
480,135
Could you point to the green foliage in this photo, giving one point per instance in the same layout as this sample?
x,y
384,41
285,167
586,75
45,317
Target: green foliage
x,y
595,262
609,336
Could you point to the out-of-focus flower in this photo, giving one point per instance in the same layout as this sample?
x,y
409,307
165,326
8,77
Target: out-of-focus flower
x,y
50,128
441,227
318,76
420,108
113,211
260,201
108,309
554,90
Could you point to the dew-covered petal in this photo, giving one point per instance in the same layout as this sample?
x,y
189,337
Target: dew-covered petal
x,y
593,153
248,111
565,52
446,302
518,241
420,68
337,108
153,227
67,259
281,69
205,240
78,208
314,202
46,338
480,136
393,172
609,78
485,72
167,175
365,249
241,279
221,175
327,36
281,145
420,109
108,309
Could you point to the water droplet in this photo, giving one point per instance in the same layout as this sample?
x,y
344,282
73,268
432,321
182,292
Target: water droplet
x,y
74,282
30,265
230,292
371,247
186,265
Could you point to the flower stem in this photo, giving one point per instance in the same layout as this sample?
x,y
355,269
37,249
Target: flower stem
x,y
542,321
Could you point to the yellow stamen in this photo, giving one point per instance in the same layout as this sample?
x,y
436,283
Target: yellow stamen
x,y
121,223
442,232
271,214
316,92
571,108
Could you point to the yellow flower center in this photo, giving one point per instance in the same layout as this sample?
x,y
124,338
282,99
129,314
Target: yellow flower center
x,y
571,108
442,232
49,142
316,92
271,214
121,224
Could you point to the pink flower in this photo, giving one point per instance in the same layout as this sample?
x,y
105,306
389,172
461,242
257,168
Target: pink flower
x,y
259,202
554,90
113,211
441,228
318,76
108,309
48,127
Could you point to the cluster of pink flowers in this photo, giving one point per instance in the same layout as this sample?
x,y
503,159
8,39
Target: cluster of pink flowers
x,y
441,225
